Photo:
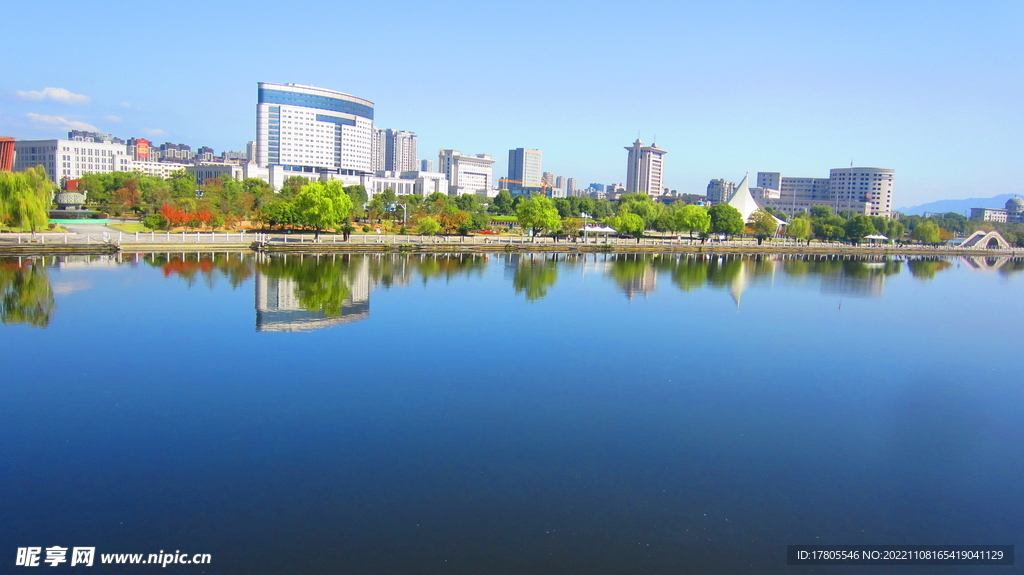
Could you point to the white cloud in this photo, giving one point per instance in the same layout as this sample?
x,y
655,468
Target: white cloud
x,y
154,132
55,94
112,119
58,121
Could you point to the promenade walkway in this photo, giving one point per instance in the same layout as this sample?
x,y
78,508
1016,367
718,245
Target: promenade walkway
x,y
160,241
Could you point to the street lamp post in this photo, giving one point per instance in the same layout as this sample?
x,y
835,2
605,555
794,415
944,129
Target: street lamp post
x,y
585,216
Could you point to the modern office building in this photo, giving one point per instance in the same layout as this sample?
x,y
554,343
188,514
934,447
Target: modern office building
x,y
865,191
426,165
645,168
466,174
6,154
719,191
313,130
570,186
524,170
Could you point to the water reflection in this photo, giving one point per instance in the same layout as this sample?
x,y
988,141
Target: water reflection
x,y
234,267
926,268
533,274
634,274
25,293
302,292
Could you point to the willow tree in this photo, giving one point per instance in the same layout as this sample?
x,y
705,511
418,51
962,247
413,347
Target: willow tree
x,y
322,205
25,199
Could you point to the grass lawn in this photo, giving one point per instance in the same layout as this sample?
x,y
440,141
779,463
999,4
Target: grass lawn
x,y
130,228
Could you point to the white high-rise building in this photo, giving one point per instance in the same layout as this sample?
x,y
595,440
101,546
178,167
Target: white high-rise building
x,y
645,169
395,150
872,186
313,130
466,174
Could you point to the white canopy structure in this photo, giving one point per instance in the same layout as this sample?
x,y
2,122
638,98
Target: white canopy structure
x,y
599,230
743,201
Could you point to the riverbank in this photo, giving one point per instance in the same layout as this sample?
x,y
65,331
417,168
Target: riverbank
x,y
310,247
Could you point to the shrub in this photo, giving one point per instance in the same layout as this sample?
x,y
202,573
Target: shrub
x,y
154,222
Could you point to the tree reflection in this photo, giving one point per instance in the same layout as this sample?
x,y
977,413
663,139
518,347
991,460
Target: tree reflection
x,y
925,269
25,293
634,273
534,275
236,268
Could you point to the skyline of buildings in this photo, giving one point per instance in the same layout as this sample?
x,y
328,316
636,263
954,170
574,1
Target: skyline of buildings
x,y
319,133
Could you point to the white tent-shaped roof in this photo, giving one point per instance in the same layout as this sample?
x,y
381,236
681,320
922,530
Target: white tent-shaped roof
x,y
743,201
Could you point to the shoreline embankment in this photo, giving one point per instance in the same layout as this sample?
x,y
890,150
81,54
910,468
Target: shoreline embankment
x,y
30,249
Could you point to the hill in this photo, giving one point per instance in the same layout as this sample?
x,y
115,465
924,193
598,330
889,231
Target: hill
x,y
958,206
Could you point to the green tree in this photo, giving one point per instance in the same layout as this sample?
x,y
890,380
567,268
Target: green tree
x,y
183,184
292,186
799,228
627,224
25,199
726,219
692,218
322,205
859,227
926,233
278,213
502,203
538,214
428,226
763,224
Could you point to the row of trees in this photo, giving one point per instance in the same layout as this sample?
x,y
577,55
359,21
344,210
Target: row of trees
x,y
179,201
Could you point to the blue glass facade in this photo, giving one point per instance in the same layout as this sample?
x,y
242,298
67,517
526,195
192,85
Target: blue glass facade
x,y
345,121
274,130
284,98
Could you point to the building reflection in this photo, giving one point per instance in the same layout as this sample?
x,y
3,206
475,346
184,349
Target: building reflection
x,y
307,292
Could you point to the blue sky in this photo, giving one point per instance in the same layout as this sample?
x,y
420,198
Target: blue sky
x,y
931,89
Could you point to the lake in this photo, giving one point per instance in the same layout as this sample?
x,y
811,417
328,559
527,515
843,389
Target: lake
x,y
515,413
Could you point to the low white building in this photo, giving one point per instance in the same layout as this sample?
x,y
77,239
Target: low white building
x,y
69,159
207,170
466,174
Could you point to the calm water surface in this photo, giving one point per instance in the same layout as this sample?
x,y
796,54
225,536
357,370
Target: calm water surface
x,y
509,414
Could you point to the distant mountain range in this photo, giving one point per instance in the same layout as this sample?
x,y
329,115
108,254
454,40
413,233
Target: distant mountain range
x,y
959,206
